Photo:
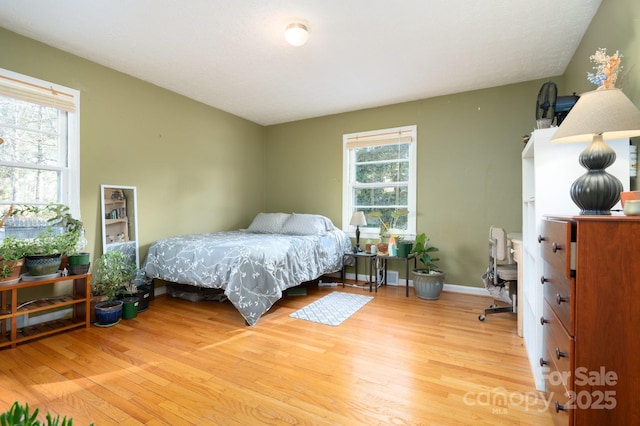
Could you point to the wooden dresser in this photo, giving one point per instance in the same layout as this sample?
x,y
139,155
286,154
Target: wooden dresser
x,y
591,316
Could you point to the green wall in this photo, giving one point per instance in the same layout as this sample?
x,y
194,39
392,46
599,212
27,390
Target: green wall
x,y
196,168
469,167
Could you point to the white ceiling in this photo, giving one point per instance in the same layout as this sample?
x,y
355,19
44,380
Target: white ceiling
x,y
231,54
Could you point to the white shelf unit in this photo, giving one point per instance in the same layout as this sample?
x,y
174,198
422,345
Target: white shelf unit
x,y
548,170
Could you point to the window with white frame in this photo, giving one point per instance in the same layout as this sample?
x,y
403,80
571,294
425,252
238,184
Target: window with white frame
x,y
39,143
379,175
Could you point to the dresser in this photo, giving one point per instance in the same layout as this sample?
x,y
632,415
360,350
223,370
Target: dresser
x,y
590,318
548,170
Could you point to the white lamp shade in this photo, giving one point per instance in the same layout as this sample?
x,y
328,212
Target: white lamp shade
x,y
358,219
605,111
296,34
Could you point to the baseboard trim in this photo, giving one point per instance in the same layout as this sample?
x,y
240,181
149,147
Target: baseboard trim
x,y
453,288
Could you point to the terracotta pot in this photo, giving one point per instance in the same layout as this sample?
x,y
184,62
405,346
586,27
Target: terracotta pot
x,y
16,269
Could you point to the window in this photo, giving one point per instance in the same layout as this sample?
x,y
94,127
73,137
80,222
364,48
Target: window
x,y
379,174
39,146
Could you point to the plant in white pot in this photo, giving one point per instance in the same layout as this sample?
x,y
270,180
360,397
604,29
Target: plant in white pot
x,y
428,281
112,273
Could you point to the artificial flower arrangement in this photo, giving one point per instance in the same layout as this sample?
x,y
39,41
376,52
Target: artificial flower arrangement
x,y
607,69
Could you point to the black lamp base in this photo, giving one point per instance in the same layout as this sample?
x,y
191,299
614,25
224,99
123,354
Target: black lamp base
x,y
597,191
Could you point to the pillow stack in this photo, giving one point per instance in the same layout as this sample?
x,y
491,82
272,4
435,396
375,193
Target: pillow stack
x,y
291,224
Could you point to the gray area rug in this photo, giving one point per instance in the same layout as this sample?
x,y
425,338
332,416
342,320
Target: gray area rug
x,y
333,308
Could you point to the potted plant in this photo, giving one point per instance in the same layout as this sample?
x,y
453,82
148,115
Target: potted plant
x,y
112,272
11,256
79,263
389,222
130,299
44,253
428,281
12,252
21,415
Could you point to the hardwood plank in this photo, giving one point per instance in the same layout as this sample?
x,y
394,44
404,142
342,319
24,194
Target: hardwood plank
x,y
396,361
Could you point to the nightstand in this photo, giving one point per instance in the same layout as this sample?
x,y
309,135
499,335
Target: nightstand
x,y
367,256
384,260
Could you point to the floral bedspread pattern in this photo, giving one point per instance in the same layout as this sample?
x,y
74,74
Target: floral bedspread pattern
x,y
253,269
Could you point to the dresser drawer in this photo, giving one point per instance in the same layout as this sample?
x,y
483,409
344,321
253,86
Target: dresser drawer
x,y
558,346
559,293
555,240
558,399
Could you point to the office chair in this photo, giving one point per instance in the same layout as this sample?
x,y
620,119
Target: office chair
x,y
501,277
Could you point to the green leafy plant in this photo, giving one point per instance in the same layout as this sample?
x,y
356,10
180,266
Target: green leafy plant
x,y
388,221
113,272
12,249
424,253
48,241
20,415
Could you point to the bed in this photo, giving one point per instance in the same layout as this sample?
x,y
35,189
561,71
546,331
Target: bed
x,y
253,266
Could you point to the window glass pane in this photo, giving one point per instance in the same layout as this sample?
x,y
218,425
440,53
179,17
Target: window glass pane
x,y
382,172
381,153
396,196
16,113
22,146
29,185
30,133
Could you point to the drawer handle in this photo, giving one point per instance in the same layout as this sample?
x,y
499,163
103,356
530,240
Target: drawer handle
x,y
543,362
543,321
543,280
561,354
560,407
555,247
560,299
540,238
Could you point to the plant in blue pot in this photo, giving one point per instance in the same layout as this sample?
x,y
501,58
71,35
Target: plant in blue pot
x,y
112,272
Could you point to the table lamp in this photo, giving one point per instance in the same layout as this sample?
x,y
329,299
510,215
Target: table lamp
x,y
598,115
357,219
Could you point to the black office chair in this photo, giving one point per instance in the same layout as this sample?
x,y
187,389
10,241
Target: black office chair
x,y
501,277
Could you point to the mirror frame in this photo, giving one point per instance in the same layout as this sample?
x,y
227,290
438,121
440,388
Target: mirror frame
x,y
130,242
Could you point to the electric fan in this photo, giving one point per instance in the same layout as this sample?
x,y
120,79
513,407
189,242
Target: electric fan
x,y
546,104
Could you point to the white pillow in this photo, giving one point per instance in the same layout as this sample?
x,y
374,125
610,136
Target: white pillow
x,y
307,224
268,223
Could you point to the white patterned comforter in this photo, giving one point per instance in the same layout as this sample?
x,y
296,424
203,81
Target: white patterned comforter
x,y
253,269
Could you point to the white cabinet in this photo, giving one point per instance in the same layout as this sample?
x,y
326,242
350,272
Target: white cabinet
x,y
548,170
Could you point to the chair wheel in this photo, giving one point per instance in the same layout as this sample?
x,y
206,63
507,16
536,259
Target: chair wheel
x,y
482,317
493,306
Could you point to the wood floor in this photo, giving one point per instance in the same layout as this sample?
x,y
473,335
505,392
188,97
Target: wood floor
x,y
400,361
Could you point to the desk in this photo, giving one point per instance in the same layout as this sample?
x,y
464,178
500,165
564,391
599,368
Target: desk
x,y
357,255
516,243
384,260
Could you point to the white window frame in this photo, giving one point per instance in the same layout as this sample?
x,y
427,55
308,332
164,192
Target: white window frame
x,y
409,133
70,184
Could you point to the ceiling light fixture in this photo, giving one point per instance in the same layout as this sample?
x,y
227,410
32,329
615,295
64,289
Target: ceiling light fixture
x,y
296,34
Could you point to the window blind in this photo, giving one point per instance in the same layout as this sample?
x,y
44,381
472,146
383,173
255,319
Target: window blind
x,y
379,139
34,93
